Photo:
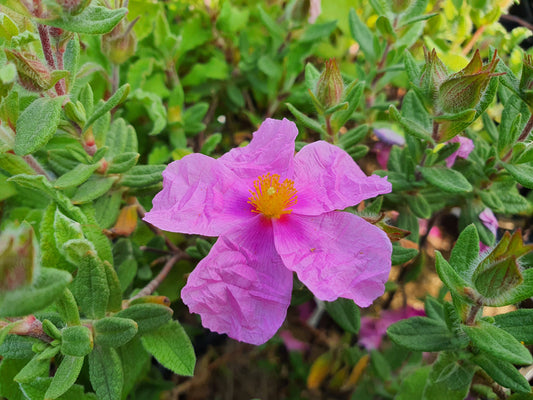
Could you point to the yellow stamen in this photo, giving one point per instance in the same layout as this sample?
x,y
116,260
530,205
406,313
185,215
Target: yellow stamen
x,y
272,198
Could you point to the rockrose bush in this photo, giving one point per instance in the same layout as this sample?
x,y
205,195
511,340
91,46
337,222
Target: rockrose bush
x,y
268,200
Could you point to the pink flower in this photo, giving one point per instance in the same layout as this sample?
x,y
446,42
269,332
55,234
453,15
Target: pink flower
x,y
275,214
466,146
387,138
490,221
373,329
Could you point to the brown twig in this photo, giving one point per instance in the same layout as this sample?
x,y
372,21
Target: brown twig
x,y
154,283
518,20
473,40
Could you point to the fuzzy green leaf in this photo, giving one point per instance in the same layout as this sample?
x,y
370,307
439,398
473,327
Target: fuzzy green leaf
x,y
114,331
423,334
503,372
47,288
65,376
498,343
171,346
93,20
345,313
105,373
148,316
37,124
447,179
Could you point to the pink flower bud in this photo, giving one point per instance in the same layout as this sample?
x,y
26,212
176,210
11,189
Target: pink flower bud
x,y
330,86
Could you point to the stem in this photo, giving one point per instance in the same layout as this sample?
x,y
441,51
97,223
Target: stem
x,y
499,391
329,128
47,49
171,246
154,283
518,20
523,136
34,164
115,79
471,317
473,40
60,86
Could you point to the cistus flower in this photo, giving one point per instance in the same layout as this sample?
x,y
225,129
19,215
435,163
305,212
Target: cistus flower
x,y
466,146
387,138
275,214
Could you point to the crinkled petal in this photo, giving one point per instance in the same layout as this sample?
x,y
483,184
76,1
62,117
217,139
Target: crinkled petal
x,y
242,287
336,254
270,150
328,179
199,196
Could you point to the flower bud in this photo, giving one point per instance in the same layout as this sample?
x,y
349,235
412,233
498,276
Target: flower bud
x,y
330,86
18,257
463,90
432,75
33,74
120,44
76,112
499,272
526,80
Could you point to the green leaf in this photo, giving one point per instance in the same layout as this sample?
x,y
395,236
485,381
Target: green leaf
x,y
401,255
95,20
411,127
37,124
77,341
353,95
103,107
523,173
305,120
449,276
465,252
498,343
68,308
423,334
345,313
148,316
115,290
90,287
71,60
15,165
92,189
449,180
135,363
503,372
518,323
123,162
105,373
143,176
171,346
47,288
211,143
35,368
450,379
362,35
419,205
156,111
65,376
75,177
412,386
114,331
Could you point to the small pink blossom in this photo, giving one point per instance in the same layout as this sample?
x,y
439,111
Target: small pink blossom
x,y
291,343
373,329
490,221
387,138
466,146
315,9
274,213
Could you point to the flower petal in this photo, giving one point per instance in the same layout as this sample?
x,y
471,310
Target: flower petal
x,y
270,150
242,287
328,179
199,196
336,254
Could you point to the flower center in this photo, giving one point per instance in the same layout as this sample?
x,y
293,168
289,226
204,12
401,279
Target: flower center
x,y
272,198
